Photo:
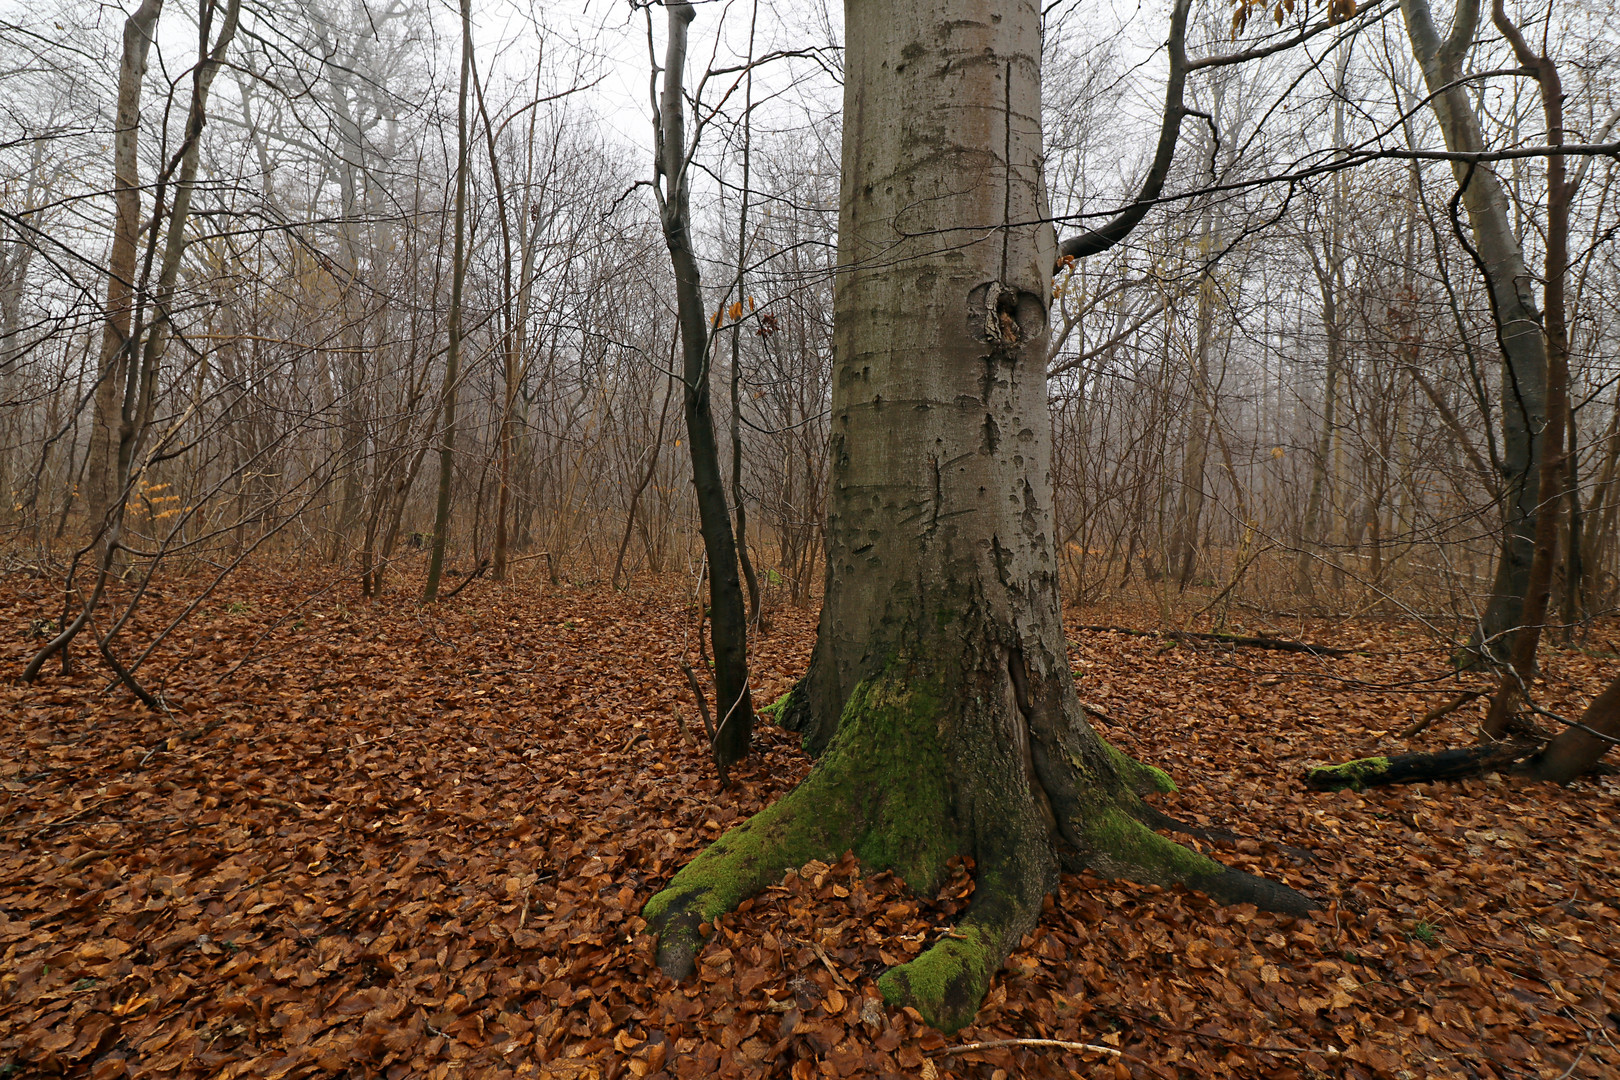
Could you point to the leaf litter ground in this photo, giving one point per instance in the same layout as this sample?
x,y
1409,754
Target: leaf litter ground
x,y
375,840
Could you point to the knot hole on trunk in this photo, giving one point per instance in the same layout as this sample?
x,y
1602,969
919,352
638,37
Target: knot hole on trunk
x,y
1003,316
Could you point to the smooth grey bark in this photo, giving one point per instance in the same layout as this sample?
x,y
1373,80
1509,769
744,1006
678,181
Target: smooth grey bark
x,y
102,484
452,363
132,354
1183,554
1538,589
1513,306
940,690
728,618
1329,267
738,500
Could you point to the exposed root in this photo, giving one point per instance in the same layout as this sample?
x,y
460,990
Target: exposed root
x,y
1125,847
893,814
950,979
745,860
883,791
1140,777
1236,887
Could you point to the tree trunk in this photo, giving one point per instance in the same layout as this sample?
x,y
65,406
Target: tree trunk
x,y
940,689
452,364
1513,307
1538,586
738,500
653,452
117,348
1190,509
1329,267
1577,749
728,618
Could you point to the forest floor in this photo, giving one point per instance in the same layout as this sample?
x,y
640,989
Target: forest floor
x,y
372,839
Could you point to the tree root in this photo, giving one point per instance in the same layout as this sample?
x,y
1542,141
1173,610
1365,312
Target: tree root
x,y
1126,847
882,791
755,854
850,801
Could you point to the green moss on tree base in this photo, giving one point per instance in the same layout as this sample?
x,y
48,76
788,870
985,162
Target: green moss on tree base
x,y
1353,775
1140,776
746,859
880,790
777,708
1124,847
948,981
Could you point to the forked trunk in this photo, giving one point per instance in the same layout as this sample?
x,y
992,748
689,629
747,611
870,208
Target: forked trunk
x,y
940,691
107,429
1500,259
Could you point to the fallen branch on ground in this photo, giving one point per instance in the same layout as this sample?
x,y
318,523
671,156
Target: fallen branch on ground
x,y
1417,768
997,1044
1278,644
1441,710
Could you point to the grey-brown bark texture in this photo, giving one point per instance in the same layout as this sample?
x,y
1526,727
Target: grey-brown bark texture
x,y
108,430
939,697
728,619
1513,306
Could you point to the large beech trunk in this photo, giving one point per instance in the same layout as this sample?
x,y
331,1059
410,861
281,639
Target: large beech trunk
x,y
939,694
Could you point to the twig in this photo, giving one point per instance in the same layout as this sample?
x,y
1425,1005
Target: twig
x,y
680,722
1441,710
1279,644
92,856
996,1044
478,571
703,703
1094,713
821,954
59,822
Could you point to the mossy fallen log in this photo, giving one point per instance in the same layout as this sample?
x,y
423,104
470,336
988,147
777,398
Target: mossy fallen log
x,y
1232,640
1418,768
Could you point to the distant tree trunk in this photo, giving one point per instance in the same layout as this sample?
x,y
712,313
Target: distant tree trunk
x,y
104,483
452,363
728,618
1538,588
1573,608
1329,269
514,322
1190,509
1513,307
738,501
940,691
653,452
